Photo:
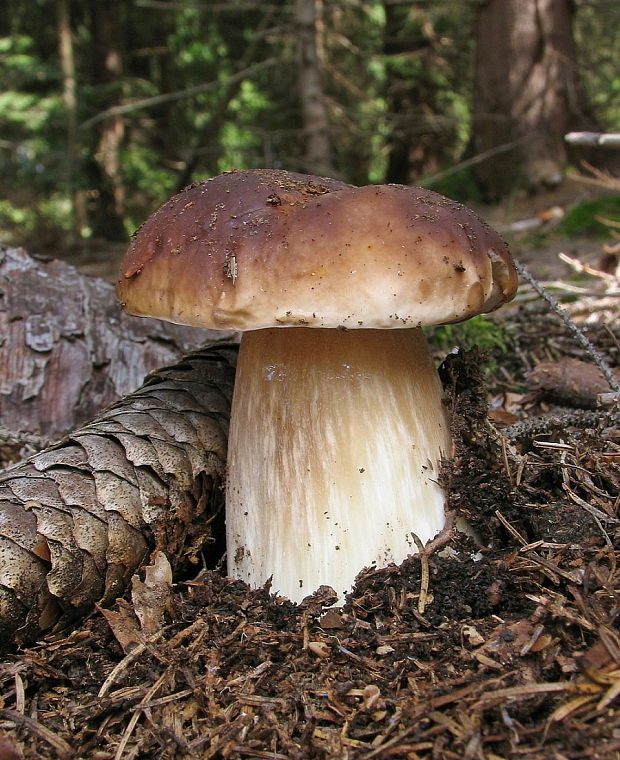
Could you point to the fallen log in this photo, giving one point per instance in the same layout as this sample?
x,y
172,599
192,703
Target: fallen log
x,y
67,350
78,518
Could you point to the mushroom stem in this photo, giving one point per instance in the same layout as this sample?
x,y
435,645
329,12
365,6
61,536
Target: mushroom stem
x,y
334,450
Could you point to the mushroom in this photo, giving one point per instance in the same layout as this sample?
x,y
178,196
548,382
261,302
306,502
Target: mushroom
x,y
337,426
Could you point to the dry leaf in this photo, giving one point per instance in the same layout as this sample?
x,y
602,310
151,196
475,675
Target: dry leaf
x,y
124,624
153,597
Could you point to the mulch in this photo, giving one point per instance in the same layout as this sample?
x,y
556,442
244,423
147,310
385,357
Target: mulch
x,y
499,644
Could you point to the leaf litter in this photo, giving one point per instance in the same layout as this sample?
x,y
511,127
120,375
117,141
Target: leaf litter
x,y
500,644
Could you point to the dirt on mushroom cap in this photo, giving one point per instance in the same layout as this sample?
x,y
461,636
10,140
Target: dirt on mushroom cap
x,y
267,248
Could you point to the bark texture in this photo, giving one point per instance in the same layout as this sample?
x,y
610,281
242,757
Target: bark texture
x,y
77,519
69,97
527,92
107,208
318,145
422,131
67,351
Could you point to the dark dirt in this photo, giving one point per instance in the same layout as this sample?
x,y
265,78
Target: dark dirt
x,y
504,648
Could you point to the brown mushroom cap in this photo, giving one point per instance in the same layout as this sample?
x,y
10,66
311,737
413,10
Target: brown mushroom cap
x,y
267,248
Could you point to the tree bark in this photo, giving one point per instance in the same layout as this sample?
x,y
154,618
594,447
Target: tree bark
x,y
318,157
67,350
420,137
69,97
108,207
527,92
77,519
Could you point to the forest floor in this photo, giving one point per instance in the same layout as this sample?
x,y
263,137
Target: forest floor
x,y
502,647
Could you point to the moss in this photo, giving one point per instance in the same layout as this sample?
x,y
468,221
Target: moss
x,y
481,331
588,217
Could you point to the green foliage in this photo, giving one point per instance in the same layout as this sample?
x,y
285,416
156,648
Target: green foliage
x,y
355,89
460,186
488,335
30,108
417,77
36,224
597,35
32,146
241,142
426,56
587,217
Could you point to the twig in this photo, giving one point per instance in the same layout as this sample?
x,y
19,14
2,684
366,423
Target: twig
x,y
127,661
577,333
477,159
598,139
560,420
442,538
613,336
578,266
189,92
612,223
136,714
599,178
424,581
365,661
510,528
62,749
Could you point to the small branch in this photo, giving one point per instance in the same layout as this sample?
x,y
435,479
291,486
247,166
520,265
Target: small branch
x,y
582,268
190,92
528,428
209,133
62,749
594,139
577,333
425,579
477,159
598,179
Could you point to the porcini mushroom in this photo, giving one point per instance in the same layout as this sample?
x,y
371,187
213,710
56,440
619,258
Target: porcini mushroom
x,y
337,427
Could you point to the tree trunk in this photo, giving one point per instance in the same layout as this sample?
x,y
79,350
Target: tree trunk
x,y
317,140
67,350
527,92
69,97
77,519
419,138
108,207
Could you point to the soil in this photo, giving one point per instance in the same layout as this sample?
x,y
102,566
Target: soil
x,y
499,644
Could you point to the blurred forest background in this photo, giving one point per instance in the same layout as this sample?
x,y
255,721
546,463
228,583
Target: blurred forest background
x,y
107,107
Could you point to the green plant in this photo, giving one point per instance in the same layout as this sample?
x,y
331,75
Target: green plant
x,y
460,185
588,217
489,335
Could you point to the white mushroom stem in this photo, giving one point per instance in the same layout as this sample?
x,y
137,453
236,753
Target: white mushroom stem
x,y
334,449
